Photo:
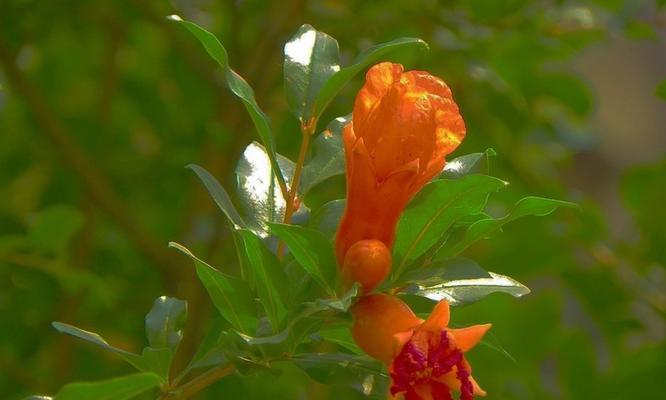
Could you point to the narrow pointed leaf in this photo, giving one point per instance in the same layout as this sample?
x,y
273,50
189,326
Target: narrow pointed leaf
x,y
336,82
310,58
270,281
435,209
133,359
328,156
218,194
121,388
237,85
312,250
474,163
231,296
536,206
465,291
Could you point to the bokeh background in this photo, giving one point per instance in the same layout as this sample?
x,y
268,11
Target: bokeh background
x,y
102,104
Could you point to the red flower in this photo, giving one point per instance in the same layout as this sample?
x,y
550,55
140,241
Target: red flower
x,y
426,359
404,124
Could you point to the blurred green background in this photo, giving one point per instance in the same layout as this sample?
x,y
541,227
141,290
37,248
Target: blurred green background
x,y
102,104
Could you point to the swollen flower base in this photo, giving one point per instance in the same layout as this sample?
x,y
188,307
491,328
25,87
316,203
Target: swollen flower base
x,y
425,358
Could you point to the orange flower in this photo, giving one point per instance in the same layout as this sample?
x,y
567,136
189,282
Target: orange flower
x,y
425,358
404,124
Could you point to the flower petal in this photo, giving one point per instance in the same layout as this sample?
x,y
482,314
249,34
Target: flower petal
x,y
468,337
438,319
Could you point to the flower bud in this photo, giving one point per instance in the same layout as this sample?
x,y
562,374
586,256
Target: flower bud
x,y
367,262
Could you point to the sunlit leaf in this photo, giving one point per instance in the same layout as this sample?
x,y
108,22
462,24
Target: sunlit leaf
x,y
312,250
465,291
238,86
165,322
218,194
270,281
328,155
446,270
437,206
133,359
364,60
259,192
474,163
310,58
122,388
537,206
231,296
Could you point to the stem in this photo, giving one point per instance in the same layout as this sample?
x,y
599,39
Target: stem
x,y
307,129
199,383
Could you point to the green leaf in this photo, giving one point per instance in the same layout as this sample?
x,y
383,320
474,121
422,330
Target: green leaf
x,y
660,90
446,270
270,281
231,296
336,82
165,322
133,359
258,191
537,206
360,372
465,291
341,336
343,303
157,361
312,250
310,59
434,210
328,156
238,86
327,218
474,163
219,195
121,388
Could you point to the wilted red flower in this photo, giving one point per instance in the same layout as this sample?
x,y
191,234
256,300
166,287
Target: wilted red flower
x,y
425,358
403,126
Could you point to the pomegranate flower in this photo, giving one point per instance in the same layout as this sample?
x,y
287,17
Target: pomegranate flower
x,y
425,358
403,126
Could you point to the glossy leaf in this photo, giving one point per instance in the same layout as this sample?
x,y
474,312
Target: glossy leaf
x,y
465,291
122,388
446,270
438,206
165,322
310,58
328,155
219,195
364,60
270,281
359,372
537,206
312,250
474,163
231,296
327,218
238,86
259,192
131,358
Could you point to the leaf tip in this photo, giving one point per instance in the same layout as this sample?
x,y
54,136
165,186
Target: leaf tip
x,y
174,17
